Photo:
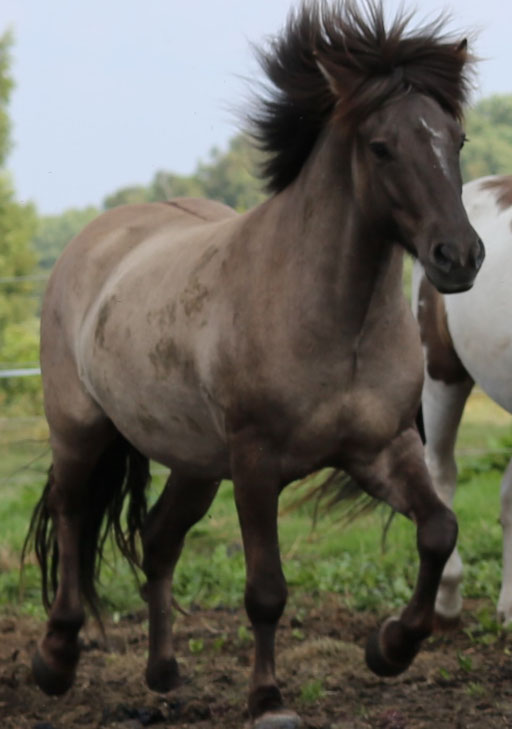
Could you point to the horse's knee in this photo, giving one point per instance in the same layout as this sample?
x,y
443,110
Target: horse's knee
x,y
437,536
265,600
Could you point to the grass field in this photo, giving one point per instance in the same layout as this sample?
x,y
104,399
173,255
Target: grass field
x,y
348,560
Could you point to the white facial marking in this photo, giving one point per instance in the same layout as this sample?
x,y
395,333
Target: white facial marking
x,y
435,135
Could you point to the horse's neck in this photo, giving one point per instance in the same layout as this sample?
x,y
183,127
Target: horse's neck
x,y
340,266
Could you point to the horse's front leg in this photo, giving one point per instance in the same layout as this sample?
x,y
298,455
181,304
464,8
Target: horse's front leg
x,y
400,477
256,480
443,405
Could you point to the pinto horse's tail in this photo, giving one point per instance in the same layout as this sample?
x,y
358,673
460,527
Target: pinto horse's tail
x,y
121,473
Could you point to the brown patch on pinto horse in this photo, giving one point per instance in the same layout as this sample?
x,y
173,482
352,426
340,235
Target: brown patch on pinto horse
x,y
442,360
502,186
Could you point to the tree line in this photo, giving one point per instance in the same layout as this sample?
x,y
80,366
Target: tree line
x,y
30,243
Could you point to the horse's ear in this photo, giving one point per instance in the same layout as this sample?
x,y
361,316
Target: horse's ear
x,y
331,82
462,48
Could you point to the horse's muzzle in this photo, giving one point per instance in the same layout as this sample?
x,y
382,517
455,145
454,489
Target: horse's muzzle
x,y
450,270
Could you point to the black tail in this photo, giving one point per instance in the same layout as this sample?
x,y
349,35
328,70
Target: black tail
x,y
333,491
121,473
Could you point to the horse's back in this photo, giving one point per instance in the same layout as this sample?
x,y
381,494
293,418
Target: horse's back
x,y
479,319
91,258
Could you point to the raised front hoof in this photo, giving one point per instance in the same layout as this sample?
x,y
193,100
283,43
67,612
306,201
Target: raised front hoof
x,y
278,720
384,661
163,676
49,680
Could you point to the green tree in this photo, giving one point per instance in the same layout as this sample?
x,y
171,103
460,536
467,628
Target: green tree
x,y
489,131
166,185
17,225
54,232
127,196
232,176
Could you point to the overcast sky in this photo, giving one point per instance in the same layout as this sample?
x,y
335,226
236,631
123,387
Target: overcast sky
x,y
110,91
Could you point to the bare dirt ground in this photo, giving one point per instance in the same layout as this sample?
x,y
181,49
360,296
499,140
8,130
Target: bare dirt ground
x,y
455,683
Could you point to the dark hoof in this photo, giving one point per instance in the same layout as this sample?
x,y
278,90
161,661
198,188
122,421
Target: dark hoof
x,y
388,640
163,676
52,682
278,720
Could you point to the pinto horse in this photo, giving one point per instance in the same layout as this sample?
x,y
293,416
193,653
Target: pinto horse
x,y
467,339
263,346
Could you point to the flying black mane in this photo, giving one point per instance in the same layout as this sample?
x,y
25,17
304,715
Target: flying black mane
x,y
337,56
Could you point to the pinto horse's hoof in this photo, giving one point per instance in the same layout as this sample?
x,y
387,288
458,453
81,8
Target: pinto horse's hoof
x,y
278,720
49,680
387,651
163,676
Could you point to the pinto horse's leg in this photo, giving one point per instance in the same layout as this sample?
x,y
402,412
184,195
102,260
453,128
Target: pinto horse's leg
x,y
505,599
257,486
182,503
400,477
443,405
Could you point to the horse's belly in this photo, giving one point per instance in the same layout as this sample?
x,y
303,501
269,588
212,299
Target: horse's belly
x,y
183,435
487,356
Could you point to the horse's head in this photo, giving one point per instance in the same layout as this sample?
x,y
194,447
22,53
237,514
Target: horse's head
x,y
407,164
396,95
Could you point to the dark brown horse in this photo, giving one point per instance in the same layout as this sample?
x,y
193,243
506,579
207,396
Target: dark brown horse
x,y
263,346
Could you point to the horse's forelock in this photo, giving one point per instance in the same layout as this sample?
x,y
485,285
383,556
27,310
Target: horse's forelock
x,y
351,51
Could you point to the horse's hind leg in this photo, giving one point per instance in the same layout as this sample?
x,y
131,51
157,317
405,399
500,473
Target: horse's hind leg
x,y
443,405
505,599
63,506
256,479
182,503
400,477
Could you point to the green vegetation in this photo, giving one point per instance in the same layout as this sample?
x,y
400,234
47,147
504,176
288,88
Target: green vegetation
x,y
489,132
346,560
18,328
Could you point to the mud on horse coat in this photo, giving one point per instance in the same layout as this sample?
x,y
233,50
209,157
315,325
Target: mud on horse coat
x,y
467,339
262,346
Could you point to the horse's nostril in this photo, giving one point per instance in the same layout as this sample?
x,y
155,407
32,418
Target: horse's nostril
x,y
442,257
480,255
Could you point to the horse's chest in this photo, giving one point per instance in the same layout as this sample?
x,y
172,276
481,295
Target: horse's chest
x,y
354,424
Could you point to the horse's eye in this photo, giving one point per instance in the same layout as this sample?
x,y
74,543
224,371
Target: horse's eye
x,y
380,150
463,140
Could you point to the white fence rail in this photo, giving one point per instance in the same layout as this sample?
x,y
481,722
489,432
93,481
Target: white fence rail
x,y
20,372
